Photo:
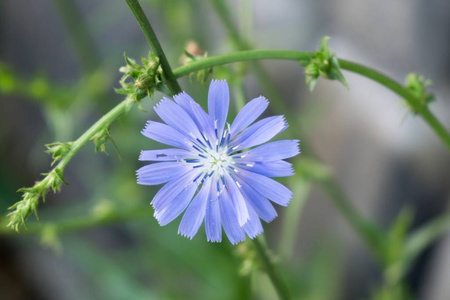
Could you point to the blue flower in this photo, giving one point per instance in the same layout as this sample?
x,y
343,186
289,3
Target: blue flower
x,y
219,172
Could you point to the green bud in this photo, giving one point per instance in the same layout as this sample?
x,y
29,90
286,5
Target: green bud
x,y
22,209
58,150
417,85
322,63
138,80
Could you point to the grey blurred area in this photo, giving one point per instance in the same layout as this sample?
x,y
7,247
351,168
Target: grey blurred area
x,y
382,156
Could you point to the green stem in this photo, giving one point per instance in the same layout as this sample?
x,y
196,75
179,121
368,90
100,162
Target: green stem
x,y
420,239
271,269
291,219
152,40
379,77
102,123
79,34
82,223
365,229
224,15
400,90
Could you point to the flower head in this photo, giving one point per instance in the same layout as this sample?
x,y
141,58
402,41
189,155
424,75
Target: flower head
x,y
217,172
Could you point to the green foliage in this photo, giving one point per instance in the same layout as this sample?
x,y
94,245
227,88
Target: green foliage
x,y
324,64
396,292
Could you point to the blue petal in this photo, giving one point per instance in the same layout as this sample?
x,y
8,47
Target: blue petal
x,y
267,187
261,205
184,101
165,134
230,221
165,155
218,102
159,173
273,151
176,206
259,133
278,168
237,199
194,215
213,225
253,227
171,189
204,122
176,117
248,114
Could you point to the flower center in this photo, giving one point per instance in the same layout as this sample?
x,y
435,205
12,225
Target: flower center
x,y
217,161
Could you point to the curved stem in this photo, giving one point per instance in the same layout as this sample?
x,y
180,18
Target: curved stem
x,y
152,40
379,77
272,271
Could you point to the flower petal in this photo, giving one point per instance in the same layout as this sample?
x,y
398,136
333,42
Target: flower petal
x,y
204,122
159,173
165,134
218,103
229,218
278,168
165,155
176,206
176,117
194,215
259,133
213,223
270,188
237,199
273,151
253,227
248,114
171,189
259,203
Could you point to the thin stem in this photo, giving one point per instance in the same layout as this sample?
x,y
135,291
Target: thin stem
x,y
397,88
301,189
420,239
79,34
103,122
271,269
365,229
152,40
379,77
82,223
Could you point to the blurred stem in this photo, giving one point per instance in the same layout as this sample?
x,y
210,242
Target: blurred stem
x,y
82,223
291,219
79,34
376,76
152,40
271,268
365,229
224,15
420,239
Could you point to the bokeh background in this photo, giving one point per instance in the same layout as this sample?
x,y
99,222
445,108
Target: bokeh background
x,y
59,62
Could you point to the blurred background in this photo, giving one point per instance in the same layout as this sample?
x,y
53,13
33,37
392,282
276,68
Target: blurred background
x,y
59,63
